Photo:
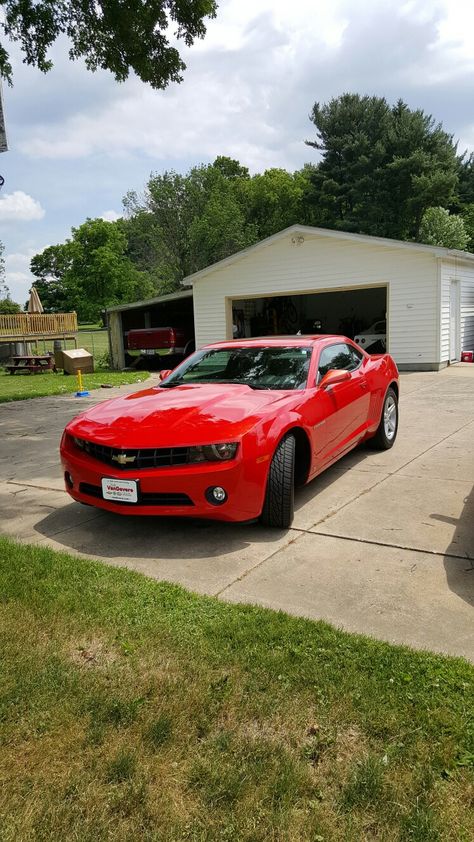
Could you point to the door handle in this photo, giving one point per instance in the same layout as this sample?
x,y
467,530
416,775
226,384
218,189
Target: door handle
x,y
363,384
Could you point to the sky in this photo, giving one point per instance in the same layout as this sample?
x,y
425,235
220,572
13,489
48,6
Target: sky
x,y
78,141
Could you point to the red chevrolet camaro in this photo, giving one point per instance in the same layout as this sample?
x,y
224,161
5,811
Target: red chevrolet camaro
x,y
229,433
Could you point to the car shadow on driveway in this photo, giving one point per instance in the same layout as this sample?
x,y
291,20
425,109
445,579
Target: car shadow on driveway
x,y
348,463
111,536
460,571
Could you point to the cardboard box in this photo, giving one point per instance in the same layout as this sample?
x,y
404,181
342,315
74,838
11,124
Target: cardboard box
x,y
77,359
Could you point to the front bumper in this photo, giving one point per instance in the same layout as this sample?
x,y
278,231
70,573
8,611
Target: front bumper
x,y
174,491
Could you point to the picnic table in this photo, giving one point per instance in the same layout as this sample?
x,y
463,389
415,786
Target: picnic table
x,y
31,364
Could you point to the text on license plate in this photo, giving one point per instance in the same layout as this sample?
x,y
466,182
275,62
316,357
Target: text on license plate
x,y
124,490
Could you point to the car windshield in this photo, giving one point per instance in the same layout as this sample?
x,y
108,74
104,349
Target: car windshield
x,y
259,368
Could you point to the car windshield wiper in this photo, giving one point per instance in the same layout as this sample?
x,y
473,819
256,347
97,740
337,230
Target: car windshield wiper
x,y
182,382
171,385
238,383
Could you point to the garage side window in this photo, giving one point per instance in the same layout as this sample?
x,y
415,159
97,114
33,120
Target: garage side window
x,y
340,356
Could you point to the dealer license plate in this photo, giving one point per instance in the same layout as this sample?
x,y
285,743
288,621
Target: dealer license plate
x,y
122,490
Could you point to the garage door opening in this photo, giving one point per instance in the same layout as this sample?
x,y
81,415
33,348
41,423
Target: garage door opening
x,y
357,313
174,314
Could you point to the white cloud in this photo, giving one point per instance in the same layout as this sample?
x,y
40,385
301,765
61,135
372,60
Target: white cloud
x,y
251,83
19,207
17,272
81,141
110,216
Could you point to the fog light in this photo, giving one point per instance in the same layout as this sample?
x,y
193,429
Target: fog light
x,y
68,479
216,495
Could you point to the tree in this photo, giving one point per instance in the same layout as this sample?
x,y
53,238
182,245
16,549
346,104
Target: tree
x,y
89,272
466,181
52,271
468,219
197,218
220,230
9,307
144,248
116,36
440,228
274,200
381,167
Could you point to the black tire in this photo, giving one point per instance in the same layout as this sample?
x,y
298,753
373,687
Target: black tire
x,y
381,441
279,505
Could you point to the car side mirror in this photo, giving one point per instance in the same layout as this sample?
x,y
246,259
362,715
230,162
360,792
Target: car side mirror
x,y
334,376
165,373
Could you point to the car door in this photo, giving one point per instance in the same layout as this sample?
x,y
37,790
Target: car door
x,y
342,410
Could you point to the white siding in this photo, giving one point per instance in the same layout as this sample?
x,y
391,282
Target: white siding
x,y
464,272
467,308
446,273
322,263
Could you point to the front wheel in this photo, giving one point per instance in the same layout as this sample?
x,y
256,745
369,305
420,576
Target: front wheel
x,y
278,507
387,430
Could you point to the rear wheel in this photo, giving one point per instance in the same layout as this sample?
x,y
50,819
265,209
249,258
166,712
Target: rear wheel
x,y
278,508
387,430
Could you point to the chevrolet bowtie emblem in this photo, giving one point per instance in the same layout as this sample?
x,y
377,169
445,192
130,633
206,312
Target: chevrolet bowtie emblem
x,y
123,459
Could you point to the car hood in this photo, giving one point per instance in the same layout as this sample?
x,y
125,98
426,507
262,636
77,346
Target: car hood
x,y
183,415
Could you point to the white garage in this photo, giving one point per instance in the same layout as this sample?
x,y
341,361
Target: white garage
x,y
319,280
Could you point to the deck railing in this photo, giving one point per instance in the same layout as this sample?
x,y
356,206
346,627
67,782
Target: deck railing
x,y
26,325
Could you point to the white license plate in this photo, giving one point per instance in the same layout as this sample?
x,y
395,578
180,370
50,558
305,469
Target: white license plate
x,y
123,490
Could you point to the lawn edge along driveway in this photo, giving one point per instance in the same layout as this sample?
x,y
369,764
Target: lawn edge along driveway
x,y
136,705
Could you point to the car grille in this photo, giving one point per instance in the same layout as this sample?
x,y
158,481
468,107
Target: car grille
x,y
158,457
145,498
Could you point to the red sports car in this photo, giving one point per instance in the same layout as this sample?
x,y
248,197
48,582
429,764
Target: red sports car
x,y
231,430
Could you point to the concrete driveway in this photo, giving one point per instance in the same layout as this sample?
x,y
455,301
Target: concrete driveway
x,y
382,543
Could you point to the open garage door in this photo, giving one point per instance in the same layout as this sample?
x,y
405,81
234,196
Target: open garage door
x,y
359,314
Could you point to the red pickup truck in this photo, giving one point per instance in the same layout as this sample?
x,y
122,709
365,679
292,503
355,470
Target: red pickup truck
x,y
162,341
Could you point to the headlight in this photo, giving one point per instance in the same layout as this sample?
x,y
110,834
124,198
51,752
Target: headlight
x,y
78,442
213,452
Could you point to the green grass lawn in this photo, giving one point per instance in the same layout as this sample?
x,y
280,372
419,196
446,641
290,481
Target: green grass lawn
x,y
18,387
134,710
91,337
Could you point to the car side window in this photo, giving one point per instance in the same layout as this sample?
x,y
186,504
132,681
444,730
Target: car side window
x,y
340,356
357,356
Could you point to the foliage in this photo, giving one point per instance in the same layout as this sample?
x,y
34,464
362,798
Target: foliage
x,y
275,200
89,272
9,307
186,222
468,218
440,228
466,181
120,37
381,167
147,712
196,217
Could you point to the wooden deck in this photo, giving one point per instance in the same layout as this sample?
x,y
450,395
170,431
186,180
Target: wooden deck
x,y
24,327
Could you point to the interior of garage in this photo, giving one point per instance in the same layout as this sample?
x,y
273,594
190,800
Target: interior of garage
x,y
174,313
174,310
348,312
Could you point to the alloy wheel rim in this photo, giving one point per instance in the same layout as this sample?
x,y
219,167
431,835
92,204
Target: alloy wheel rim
x,y
390,417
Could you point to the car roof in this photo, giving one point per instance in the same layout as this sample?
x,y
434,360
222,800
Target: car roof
x,y
277,341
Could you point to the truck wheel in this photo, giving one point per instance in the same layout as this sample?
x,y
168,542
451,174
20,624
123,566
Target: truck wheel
x,y
278,507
